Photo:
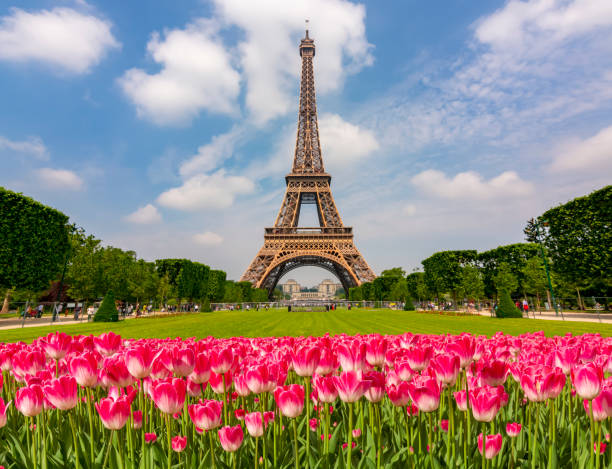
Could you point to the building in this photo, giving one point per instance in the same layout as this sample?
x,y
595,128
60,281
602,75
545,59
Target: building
x,y
291,287
328,288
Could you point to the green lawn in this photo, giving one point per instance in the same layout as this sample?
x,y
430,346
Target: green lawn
x,y
280,323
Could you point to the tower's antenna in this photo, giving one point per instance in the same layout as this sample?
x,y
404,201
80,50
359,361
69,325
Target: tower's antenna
x,y
307,21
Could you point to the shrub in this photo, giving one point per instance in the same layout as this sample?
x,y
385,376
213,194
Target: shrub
x,y
408,306
107,312
506,308
206,306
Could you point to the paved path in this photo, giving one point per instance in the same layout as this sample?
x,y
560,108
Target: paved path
x,y
566,316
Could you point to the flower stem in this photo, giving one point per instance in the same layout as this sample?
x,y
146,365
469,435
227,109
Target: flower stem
x,y
350,436
592,447
307,397
74,440
212,450
535,437
295,444
168,431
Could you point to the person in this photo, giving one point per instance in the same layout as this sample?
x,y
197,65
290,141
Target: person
x,y
526,306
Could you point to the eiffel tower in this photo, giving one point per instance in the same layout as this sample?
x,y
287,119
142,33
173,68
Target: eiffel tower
x,y
330,245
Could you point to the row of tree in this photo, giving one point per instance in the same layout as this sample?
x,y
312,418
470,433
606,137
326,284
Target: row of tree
x,y
575,239
39,248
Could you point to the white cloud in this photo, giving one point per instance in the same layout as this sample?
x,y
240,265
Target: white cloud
x,y
470,185
196,75
208,238
343,143
593,154
61,37
206,191
269,54
145,215
32,146
60,179
409,210
211,155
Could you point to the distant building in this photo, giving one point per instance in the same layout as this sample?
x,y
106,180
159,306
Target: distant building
x,y
328,288
291,287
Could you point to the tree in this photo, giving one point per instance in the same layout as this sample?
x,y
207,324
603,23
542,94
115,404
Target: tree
x,y
578,236
216,285
164,289
505,280
355,294
399,291
506,308
535,278
408,305
82,272
107,311
417,288
33,242
472,285
396,272
443,270
514,256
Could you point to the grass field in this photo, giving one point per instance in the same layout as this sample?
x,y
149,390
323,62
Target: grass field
x,y
281,323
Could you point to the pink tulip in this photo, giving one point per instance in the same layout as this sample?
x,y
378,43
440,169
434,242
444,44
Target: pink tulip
x,y
221,361
566,358
460,400
107,343
399,395
602,447
602,405
28,363
327,362
376,390
587,380
201,369
179,443
258,379
305,361
3,409
193,389
446,368
465,348
376,348
62,392
290,400
419,357
150,437
356,432
114,414
495,373
351,356
444,425
139,361
493,444
169,395
325,388
84,368
231,437
137,419
403,370
513,429
485,404
29,400
56,345
254,424
351,386
116,372
425,393
217,384
206,415
180,361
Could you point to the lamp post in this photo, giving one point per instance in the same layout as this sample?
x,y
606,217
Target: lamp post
x,y
537,225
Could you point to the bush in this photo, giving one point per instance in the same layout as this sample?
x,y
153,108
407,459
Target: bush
x,y
206,306
107,312
408,306
506,308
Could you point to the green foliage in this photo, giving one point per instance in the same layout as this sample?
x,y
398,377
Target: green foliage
x,y
417,288
505,280
397,272
443,270
399,291
216,285
408,305
506,308
515,256
472,285
578,239
260,295
206,306
107,312
355,294
534,276
33,242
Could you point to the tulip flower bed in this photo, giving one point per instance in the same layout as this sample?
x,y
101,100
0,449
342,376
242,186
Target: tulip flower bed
x,y
333,401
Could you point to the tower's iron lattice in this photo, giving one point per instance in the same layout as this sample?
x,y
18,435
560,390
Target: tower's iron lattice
x,y
330,245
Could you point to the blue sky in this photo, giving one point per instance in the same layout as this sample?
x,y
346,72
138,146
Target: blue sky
x,y
167,128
